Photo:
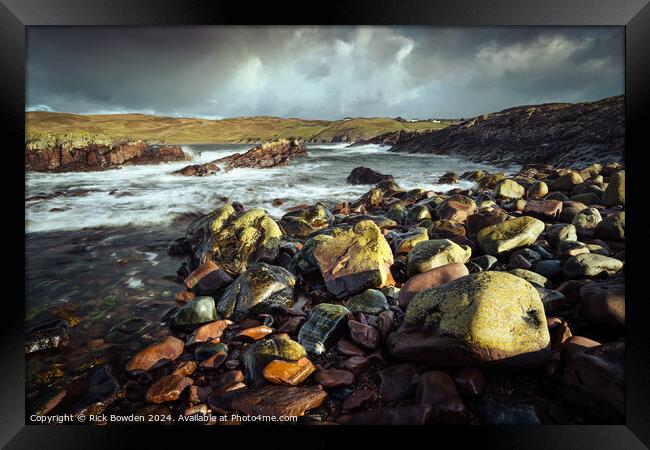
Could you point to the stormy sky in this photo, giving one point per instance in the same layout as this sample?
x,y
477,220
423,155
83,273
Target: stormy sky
x,y
318,72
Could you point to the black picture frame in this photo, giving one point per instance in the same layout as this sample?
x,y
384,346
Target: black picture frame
x,y
15,15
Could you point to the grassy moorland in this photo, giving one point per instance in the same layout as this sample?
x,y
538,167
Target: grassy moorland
x,y
175,130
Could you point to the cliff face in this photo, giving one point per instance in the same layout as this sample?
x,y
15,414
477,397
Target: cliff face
x,y
78,153
555,133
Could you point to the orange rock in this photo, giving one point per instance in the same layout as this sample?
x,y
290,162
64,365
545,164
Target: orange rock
x,y
214,361
186,368
167,388
288,373
184,296
209,332
209,276
255,333
168,347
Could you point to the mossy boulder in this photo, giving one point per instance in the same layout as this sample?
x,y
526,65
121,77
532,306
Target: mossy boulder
x,y
561,232
258,355
262,288
509,190
370,301
302,222
586,221
489,318
509,235
566,182
427,255
587,265
304,261
615,192
239,240
354,260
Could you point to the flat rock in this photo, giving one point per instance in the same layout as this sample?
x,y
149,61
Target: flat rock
x,y
279,400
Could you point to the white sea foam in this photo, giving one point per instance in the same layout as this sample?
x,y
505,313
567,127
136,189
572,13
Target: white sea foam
x,y
151,195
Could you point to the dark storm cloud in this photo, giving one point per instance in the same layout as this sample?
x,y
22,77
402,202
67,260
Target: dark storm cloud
x,y
318,72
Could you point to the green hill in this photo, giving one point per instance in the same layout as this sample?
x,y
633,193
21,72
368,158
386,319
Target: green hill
x,y
175,130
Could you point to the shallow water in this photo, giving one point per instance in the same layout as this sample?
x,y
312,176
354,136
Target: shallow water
x,y
149,194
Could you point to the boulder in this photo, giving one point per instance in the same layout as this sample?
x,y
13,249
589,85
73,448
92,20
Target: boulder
x,y
427,255
167,348
261,353
270,154
615,192
508,190
604,302
198,311
538,189
365,175
588,265
430,278
370,301
236,240
593,382
488,318
354,260
543,209
262,288
509,235
612,227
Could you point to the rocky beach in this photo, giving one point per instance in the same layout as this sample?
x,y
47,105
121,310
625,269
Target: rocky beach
x,y
351,285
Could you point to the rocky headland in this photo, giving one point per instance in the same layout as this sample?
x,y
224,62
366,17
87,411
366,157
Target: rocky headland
x,y
79,152
555,133
499,304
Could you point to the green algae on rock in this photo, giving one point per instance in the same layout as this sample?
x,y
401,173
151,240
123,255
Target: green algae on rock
x,y
371,301
491,318
354,260
427,255
509,235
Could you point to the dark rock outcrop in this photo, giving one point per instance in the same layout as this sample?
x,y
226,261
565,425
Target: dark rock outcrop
x,y
80,153
365,175
555,133
270,154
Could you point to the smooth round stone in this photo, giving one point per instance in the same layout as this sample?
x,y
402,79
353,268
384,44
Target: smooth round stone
x,y
434,253
509,235
615,192
537,190
612,227
208,349
418,213
288,373
356,364
557,196
553,301
167,348
430,278
567,249
549,268
334,378
371,301
586,221
348,348
532,277
591,265
437,388
196,312
561,232
167,389
209,332
398,381
258,355
254,333
566,182
604,302
359,398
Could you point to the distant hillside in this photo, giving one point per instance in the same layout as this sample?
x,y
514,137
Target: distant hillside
x,y
554,133
173,130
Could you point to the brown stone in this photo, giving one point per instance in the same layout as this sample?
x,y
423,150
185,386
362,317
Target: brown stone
x,y
364,335
277,401
543,209
291,325
575,345
334,378
167,348
470,381
398,381
356,364
185,368
209,332
254,333
430,278
214,362
559,332
455,211
167,389
438,389
207,278
359,398
385,323
348,348
288,373
184,296
604,302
